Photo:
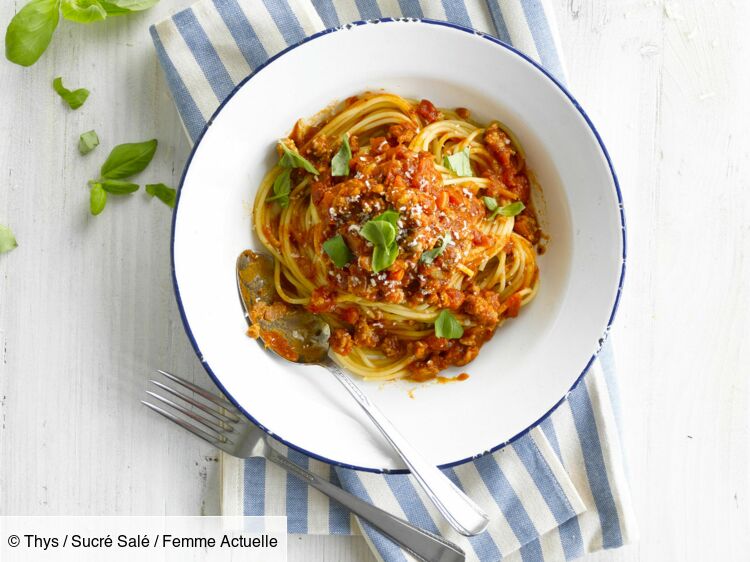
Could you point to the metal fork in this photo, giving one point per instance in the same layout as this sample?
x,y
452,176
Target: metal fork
x,y
217,421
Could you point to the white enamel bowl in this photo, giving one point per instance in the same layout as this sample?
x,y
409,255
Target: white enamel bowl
x,y
530,364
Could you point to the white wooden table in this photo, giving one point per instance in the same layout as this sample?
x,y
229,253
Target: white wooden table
x,y
87,312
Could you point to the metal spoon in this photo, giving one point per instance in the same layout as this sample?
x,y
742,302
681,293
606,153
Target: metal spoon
x,y
302,337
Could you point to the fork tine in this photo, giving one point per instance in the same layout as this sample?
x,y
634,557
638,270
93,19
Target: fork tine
x,y
219,401
207,437
201,406
218,427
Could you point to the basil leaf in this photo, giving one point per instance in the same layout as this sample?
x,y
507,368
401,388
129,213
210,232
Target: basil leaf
x,y
74,99
292,159
430,255
163,193
511,209
337,250
88,142
30,31
446,326
490,203
83,11
383,257
118,187
340,162
390,216
380,233
121,7
127,160
459,163
7,240
98,199
282,186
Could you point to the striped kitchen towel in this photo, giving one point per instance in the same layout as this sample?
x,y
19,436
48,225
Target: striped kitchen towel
x,y
556,493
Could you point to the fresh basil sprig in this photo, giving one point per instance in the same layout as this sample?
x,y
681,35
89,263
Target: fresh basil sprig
x,y
282,187
122,7
163,193
337,250
75,98
340,162
83,11
30,31
7,240
97,198
459,163
292,159
118,187
382,235
430,255
124,161
128,159
87,142
446,326
509,210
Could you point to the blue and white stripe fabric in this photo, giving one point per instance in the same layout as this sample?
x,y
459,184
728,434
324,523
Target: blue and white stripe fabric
x,y
556,493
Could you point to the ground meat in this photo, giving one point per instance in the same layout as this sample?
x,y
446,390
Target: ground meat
x,y
341,341
451,298
526,226
427,111
418,349
391,346
514,305
483,307
320,150
367,335
401,133
512,166
322,299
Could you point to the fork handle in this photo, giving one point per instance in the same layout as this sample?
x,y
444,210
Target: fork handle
x,y
422,544
458,509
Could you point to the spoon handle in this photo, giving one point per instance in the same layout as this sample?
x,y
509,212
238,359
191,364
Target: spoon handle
x,y
458,509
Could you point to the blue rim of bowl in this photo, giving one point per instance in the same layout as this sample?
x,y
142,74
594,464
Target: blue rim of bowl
x,y
474,32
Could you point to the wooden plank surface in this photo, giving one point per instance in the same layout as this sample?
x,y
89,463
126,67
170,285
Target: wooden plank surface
x,y
87,312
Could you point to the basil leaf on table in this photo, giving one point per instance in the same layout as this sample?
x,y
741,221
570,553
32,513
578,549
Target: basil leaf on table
x,y
74,99
163,193
7,240
87,142
430,255
340,162
337,250
282,186
459,163
30,31
118,187
83,11
128,159
98,199
292,159
121,7
446,326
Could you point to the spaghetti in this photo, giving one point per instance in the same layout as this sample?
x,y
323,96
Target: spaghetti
x,y
410,229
